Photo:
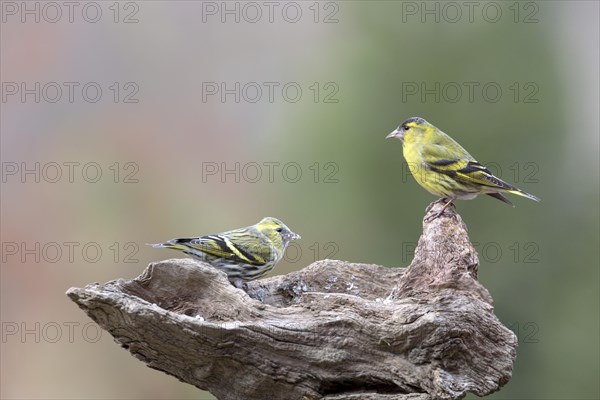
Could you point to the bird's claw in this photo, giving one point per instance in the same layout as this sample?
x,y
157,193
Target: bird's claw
x,y
447,202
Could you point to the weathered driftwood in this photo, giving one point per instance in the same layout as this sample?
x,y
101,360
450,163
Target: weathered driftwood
x,y
334,330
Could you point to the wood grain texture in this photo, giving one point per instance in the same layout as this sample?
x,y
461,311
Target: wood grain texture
x,y
334,330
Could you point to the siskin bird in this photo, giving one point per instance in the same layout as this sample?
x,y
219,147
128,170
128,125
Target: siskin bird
x,y
444,168
243,254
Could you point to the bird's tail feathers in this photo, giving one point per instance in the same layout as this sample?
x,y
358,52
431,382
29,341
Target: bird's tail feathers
x,y
167,245
522,193
501,198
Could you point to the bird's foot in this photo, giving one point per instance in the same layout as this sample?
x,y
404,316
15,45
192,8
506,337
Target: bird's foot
x,y
440,200
238,283
448,202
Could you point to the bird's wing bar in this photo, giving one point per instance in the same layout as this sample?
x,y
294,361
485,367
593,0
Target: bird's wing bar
x,y
249,246
462,169
476,173
222,247
439,159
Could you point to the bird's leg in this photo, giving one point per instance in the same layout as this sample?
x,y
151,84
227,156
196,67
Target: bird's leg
x,y
238,283
430,206
449,202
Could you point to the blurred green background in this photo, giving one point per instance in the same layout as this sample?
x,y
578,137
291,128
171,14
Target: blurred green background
x,y
515,82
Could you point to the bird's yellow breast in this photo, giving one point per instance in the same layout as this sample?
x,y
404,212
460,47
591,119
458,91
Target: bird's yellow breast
x,y
412,153
434,182
413,158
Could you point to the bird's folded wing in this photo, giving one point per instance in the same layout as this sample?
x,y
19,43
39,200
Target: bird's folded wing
x,y
463,168
443,160
476,173
233,247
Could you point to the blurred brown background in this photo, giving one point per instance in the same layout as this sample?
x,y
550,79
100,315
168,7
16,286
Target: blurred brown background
x,y
134,122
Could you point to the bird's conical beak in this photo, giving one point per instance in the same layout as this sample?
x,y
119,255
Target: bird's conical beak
x,y
397,133
294,236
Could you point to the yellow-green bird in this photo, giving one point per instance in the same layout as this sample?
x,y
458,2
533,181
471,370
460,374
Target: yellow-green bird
x,y
243,254
444,168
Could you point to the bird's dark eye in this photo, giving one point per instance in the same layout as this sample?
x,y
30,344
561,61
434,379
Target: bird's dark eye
x,y
279,230
406,127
